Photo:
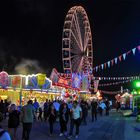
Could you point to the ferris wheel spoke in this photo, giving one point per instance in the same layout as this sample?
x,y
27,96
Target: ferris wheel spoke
x,y
80,64
78,30
86,39
75,63
73,46
74,52
75,33
74,49
74,56
77,42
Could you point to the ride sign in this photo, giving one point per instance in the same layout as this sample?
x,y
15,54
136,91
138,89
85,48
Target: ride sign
x,y
4,79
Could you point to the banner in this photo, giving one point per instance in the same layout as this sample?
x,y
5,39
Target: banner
x,y
16,81
76,80
4,79
85,83
41,78
117,78
96,83
54,76
114,83
115,60
109,92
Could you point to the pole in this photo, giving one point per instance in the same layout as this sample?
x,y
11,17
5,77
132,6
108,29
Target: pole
x,y
20,93
121,89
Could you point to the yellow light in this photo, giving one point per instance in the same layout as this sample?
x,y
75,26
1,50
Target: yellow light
x,y
27,79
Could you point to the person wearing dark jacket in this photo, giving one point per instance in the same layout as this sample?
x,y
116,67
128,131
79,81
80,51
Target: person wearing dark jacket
x,y
51,117
107,107
94,110
84,106
40,114
6,104
13,121
63,118
2,107
46,107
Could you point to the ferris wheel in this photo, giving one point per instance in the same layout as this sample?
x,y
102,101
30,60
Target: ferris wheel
x,y
77,51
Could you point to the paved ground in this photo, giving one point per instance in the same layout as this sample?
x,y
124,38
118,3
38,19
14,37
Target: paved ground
x,y
113,127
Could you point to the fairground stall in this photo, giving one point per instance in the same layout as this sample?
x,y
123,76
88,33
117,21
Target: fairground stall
x,y
63,82
136,103
126,101
76,85
19,89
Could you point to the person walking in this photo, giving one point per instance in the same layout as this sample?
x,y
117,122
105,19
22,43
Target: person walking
x,y
13,121
27,115
6,104
46,106
40,114
56,105
107,107
36,106
63,118
102,107
118,106
2,107
76,119
94,106
51,117
84,106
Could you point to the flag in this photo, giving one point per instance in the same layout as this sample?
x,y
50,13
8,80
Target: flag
x,y
120,58
112,62
116,60
96,68
128,52
105,65
102,65
108,63
124,56
134,50
96,84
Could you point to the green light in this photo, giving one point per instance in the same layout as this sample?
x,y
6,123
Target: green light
x,y
137,84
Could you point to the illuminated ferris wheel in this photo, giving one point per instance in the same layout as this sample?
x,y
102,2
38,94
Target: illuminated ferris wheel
x,y
77,52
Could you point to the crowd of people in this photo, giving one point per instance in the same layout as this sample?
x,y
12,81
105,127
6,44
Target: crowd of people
x,y
73,113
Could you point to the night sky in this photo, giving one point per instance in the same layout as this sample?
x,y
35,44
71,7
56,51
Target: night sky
x,y
31,32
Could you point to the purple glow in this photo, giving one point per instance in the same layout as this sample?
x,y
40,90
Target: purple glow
x,y
138,47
